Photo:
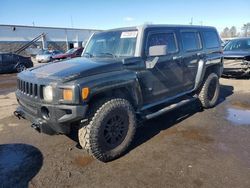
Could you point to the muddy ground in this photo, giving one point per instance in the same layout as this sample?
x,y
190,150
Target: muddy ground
x,y
187,147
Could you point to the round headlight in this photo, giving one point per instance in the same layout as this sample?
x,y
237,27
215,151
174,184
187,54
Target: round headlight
x,y
48,93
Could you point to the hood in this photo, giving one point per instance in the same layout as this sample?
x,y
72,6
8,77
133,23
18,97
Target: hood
x,y
243,54
77,67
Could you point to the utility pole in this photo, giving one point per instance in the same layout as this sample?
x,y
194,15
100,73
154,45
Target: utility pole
x,y
191,22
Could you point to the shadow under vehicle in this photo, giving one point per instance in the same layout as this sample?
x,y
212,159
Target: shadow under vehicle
x,y
19,163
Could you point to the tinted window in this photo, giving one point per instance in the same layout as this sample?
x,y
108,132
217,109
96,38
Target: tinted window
x,y
211,39
7,57
162,39
242,44
190,41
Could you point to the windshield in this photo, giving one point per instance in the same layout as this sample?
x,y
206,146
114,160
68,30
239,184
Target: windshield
x,y
112,43
43,52
71,51
234,45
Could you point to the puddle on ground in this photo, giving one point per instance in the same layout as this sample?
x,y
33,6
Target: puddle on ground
x,y
83,160
238,116
239,113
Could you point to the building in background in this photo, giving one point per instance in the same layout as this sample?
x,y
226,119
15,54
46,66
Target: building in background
x,y
13,37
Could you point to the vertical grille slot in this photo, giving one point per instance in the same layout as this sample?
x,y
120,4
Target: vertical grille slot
x,y
24,86
27,87
35,90
31,89
21,85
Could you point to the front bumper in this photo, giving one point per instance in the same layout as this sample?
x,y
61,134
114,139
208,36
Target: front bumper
x,y
56,119
236,67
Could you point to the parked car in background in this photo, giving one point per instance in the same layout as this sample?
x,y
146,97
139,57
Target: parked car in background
x,y
14,63
237,58
46,56
74,52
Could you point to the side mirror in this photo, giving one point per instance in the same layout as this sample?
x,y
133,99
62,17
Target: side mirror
x,y
158,50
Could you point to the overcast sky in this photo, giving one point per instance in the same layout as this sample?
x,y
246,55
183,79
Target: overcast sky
x,y
105,14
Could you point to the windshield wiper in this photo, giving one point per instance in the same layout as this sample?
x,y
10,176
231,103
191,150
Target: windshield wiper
x,y
87,54
107,54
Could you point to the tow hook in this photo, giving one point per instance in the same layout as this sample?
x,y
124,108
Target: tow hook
x,y
36,127
17,114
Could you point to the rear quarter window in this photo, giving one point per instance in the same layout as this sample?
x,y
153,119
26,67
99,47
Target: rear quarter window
x,y
211,39
190,41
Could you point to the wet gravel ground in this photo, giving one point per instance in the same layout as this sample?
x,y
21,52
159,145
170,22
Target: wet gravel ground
x,y
187,147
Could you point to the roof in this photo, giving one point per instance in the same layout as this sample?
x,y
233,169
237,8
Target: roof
x,y
44,27
162,25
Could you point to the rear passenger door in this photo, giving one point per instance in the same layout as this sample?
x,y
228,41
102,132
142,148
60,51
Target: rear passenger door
x,y
192,53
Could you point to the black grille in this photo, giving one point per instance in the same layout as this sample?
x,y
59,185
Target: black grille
x,y
28,88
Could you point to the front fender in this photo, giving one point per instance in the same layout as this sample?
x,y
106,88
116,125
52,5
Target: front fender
x,y
108,82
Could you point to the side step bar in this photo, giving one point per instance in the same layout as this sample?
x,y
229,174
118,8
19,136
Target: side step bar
x,y
170,107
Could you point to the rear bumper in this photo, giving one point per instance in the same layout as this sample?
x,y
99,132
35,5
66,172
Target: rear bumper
x,y
56,119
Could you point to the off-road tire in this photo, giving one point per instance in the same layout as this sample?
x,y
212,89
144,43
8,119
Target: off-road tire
x,y
91,136
209,91
20,67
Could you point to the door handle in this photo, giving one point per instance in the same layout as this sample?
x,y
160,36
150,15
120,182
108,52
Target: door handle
x,y
200,54
177,57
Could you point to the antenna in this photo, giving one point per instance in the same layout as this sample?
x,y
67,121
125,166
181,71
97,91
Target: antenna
x,y
191,21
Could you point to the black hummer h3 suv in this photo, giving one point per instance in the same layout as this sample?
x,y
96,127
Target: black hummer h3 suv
x,y
124,75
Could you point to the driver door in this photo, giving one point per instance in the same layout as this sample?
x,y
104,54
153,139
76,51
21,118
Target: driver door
x,y
164,79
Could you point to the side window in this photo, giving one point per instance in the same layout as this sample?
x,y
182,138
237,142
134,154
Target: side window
x,y
167,39
7,57
211,39
191,41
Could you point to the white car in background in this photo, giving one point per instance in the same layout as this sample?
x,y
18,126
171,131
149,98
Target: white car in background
x,y
46,56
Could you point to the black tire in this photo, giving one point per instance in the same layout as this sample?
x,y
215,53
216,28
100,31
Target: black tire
x,y
210,90
110,131
20,67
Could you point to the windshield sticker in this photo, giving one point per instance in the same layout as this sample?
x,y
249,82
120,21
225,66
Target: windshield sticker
x,y
129,34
